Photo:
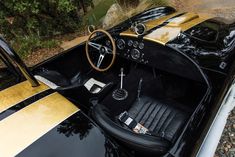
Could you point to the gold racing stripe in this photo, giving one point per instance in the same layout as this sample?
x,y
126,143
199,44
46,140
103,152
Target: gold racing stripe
x,y
172,29
151,24
24,127
180,24
18,93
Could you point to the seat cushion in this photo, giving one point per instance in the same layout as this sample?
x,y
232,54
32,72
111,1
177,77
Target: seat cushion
x,y
164,120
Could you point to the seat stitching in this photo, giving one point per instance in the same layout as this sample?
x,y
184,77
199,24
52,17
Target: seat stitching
x,y
169,121
146,112
160,118
150,115
156,123
163,120
140,110
157,107
156,114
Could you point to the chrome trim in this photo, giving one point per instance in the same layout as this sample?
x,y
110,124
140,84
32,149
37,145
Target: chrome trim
x,y
11,56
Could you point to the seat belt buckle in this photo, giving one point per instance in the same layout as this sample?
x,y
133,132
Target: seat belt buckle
x,y
125,118
132,124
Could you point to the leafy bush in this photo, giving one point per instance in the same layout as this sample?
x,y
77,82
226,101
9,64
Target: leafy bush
x,y
26,44
29,22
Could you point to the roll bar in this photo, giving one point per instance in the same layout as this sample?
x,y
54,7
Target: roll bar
x,y
12,57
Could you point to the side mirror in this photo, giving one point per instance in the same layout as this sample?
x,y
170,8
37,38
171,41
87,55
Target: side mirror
x,y
91,28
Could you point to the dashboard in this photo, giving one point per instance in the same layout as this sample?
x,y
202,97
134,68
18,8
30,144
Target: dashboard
x,y
155,55
130,48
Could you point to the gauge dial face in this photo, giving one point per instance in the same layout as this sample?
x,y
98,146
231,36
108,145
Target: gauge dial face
x,y
135,44
135,54
121,44
130,42
140,29
141,46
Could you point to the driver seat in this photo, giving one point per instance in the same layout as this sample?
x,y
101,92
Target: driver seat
x,y
164,120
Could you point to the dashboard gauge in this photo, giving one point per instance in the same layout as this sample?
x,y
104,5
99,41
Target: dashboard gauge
x,y
140,29
130,43
108,42
141,46
135,54
121,44
135,44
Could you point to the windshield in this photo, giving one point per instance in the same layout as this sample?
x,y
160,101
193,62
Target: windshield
x,y
38,30
112,12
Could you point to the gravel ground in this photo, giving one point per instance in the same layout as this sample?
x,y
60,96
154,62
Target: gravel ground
x,y
226,147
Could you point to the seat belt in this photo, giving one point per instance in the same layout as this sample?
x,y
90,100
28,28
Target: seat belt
x,y
132,124
135,126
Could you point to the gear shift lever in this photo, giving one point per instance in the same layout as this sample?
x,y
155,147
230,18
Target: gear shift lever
x,y
121,75
120,94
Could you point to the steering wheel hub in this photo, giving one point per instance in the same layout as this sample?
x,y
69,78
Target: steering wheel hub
x,y
103,50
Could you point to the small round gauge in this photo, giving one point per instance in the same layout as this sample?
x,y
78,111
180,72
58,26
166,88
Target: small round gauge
x,y
135,44
108,42
141,46
121,44
130,43
135,54
140,29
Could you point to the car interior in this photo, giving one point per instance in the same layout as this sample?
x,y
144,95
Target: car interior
x,y
141,93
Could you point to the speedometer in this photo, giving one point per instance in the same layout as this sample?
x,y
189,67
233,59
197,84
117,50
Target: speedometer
x,y
121,44
135,54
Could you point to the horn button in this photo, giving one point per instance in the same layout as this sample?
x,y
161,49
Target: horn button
x,y
103,50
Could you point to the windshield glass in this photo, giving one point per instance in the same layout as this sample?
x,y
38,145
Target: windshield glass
x,y
108,13
38,30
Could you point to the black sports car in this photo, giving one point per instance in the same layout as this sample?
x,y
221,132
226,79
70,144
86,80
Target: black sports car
x,y
159,84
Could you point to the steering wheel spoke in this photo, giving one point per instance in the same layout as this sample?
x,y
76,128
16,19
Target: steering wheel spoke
x,y
100,60
94,45
109,50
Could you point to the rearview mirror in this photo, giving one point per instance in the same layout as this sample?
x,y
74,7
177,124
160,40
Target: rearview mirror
x,y
91,28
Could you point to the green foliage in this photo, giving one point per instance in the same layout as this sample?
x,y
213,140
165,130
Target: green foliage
x,y
29,22
31,43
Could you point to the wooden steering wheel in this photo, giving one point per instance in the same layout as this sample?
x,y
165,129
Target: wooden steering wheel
x,y
102,50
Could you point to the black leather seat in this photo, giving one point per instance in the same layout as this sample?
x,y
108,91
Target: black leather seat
x,y
162,119
165,120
